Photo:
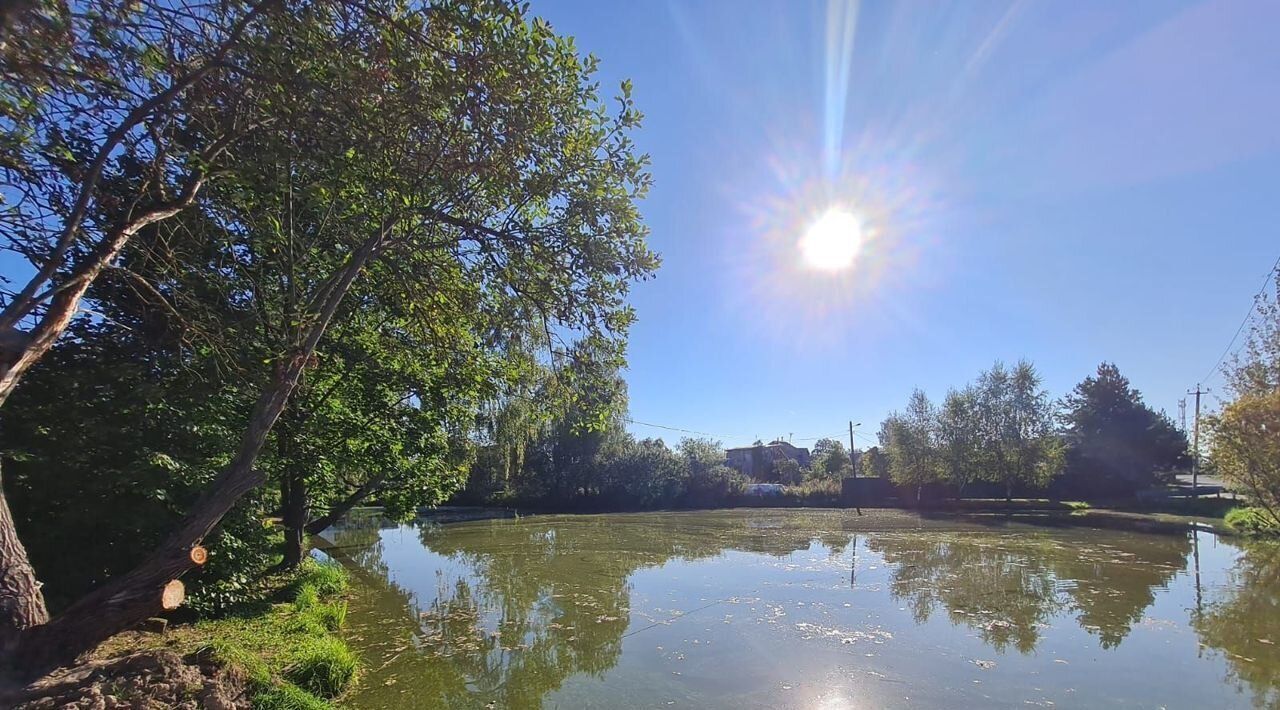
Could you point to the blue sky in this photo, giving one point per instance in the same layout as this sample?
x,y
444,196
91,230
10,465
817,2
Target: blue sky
x,y
1068,182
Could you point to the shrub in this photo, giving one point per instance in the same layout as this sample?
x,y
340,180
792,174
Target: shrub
x,y
815,490
288,697
324,666
1251,521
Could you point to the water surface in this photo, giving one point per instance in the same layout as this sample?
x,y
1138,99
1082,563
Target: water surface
x,y
808,609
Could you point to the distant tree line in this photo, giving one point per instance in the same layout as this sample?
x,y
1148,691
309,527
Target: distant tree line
x,y
1004,430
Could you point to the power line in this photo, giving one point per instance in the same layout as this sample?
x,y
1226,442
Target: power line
x,y
673,428
1214,370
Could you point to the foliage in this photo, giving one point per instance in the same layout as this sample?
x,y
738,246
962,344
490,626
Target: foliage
x,y
999,430
1255,369
830,459
1116,444
814,491
872,463
962,449
1016,428
787,472
1246,450
710,480
1251,521
912,444
1245,436
110,424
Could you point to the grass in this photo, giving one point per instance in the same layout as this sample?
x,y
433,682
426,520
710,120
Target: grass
x,y
323,666
1251,521
288,697
282,641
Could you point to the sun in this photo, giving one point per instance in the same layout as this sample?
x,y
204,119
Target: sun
x,y
833,241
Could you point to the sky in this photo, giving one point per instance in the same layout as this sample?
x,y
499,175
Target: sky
x,y
1068,182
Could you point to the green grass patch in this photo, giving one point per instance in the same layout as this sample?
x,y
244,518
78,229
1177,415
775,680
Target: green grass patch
x,y
1251,521
323,666
1076,505
331,616
306,597
328,578
282,641
288,697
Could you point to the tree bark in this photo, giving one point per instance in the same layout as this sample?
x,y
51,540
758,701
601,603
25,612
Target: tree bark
x,y
128,599
21,600
293,508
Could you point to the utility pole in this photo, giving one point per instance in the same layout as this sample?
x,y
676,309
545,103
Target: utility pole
x,y
853,464
1195,445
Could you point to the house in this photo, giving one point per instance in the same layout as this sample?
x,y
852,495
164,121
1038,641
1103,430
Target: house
x,y
756,462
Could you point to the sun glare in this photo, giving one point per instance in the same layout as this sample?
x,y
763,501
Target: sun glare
x,y
833,241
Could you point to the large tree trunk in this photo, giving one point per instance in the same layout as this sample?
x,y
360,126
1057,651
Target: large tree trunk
x,y
128,599
21,601
293,494
293,509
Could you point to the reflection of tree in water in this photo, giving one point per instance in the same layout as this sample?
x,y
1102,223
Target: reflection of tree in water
x,y
1004,594
541,599
1006,587
1244,624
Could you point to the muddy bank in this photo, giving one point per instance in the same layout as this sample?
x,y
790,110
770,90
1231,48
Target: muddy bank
x,y
147,679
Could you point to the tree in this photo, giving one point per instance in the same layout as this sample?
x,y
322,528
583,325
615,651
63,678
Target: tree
x,y
872,463
1256,368
460,146
1245,436
829,459
1246,449
1016,428
959,437
1116,444
114,120
710,480
787,472
911,443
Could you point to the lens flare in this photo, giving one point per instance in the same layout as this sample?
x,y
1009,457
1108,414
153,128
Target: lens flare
x,y
833,241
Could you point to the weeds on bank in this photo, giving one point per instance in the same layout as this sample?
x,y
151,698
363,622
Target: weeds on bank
x,y
287,652
1251,521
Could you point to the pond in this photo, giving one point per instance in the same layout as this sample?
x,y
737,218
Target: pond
x,y
807,609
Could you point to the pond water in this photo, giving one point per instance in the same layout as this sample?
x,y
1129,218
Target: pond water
x,y
807,609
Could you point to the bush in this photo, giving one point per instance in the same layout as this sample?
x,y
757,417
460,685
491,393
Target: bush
x,y
815,490
714,486
288,697
324,666
1251,521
